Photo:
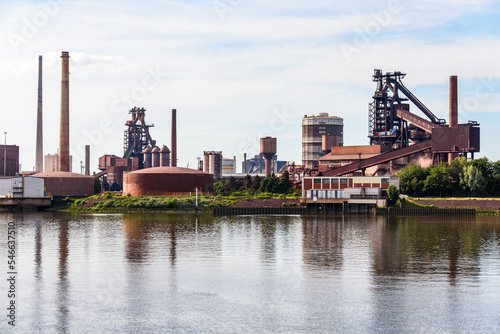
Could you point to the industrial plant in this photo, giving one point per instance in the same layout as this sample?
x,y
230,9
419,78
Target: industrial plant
x,y
398,136
330,170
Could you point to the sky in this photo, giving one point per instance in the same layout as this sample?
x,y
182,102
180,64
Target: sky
x,y
238,70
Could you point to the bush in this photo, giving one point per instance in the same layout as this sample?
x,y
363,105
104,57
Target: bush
x,y
392,194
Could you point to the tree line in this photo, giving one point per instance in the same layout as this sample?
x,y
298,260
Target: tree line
x,y
254,185
480,177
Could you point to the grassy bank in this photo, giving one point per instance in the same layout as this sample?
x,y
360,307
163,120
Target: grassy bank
x,y
109,202
482,205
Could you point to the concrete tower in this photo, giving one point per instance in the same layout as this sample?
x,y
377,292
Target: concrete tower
x,y
39,122
64,125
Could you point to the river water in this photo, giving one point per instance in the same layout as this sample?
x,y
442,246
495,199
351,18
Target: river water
x,y
158,273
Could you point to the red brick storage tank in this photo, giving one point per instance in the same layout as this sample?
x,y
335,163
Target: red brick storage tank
x,y
67,184
169,181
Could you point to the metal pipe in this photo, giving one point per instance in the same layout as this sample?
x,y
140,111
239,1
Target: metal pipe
x,y
64,122
39,122
174,139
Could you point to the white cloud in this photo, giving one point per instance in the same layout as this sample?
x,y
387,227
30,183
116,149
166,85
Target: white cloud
x,y
227,76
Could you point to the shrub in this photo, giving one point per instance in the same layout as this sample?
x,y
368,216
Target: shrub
x,y
392,194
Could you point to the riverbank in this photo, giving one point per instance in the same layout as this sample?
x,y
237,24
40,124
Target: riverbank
x,y
108,202
482,205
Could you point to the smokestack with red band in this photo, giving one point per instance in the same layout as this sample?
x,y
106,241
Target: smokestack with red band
x,y
174,139
453,109
64,125
39,122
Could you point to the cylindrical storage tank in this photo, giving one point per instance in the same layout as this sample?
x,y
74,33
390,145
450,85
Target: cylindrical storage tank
x,y
211,163
67,184
170,181
147,157
155,157
164,157
206,162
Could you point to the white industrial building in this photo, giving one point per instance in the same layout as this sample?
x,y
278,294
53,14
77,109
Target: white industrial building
x,y
13,187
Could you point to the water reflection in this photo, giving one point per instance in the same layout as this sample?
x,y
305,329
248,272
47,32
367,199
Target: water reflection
x,y
299,274
323,241
419,245
63,284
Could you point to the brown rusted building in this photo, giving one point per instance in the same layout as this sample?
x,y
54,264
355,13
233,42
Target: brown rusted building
x,y
67,184
12,154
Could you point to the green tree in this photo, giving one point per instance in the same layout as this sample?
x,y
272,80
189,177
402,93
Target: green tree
x,y
438,180
411,180
392,194
256,182
220,187
247,182
472,180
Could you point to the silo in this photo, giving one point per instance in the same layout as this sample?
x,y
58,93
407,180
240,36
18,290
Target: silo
x,y
206,162
155,157
147,157
164,157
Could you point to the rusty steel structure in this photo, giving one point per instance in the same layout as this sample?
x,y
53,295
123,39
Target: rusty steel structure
x,y
64,121
39,122
392,125
136,136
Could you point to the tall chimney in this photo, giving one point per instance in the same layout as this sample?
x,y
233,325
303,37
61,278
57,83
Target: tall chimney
x,y
64,125
453,109
244,162
39,122
174,139
87,160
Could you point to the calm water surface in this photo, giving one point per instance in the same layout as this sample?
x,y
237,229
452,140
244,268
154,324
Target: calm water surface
x,y
157,273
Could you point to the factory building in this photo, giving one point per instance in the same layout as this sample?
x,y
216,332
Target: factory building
x,y
228,166
212,163
9,166
257,165
167,181
67,184
317,129
22,187
52,163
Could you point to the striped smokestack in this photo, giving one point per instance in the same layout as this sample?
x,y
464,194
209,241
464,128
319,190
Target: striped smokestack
x,y
64,125
453,110
39,122
174,139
